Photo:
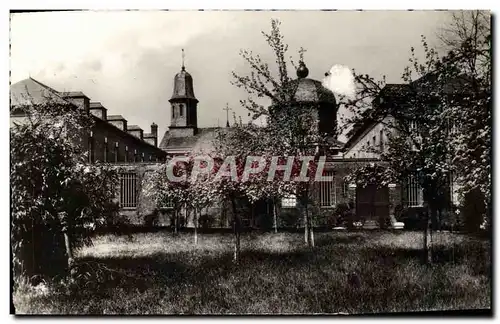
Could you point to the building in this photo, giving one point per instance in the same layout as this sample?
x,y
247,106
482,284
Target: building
x,y
370,204
136,153
111,139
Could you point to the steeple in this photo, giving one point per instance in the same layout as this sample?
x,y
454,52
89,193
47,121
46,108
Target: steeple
x,y
183,102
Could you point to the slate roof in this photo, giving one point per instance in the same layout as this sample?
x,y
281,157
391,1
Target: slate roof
x,y
133,127
30,91
203,139
96,105
310,91
115,117
73,94
183,86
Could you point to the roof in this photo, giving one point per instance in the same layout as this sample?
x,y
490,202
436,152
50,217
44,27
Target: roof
x,y
32,92
116,117
94,105
73,94
133,127
148,135
202,140
183,86
310,91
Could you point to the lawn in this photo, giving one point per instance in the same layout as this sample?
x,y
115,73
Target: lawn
x,y
347,272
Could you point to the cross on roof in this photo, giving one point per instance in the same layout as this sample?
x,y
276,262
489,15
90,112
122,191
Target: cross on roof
x,y
227,109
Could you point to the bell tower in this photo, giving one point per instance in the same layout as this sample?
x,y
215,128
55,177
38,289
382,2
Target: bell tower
x,y
183,105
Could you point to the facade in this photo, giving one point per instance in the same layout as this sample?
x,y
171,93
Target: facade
x,y
135,153
111,140
371,205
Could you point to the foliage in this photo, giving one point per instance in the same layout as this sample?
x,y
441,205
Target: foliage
x,y
342,216
292,128
439,119
48,176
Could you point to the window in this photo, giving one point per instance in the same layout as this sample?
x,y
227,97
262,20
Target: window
x,y
105,149
381,140
414,194
289,202
181,111
167,204
116,151
374,140
345,189
413,126
126,153
91,148
327,194
128,190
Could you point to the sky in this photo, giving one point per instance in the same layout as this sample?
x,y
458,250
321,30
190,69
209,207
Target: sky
x,y
127,60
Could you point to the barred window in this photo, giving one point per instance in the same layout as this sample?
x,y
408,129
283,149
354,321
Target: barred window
x,y
414,194
128,190
168,204
289,201
327,193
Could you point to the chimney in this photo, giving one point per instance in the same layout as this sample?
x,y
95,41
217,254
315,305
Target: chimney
x,y
154,129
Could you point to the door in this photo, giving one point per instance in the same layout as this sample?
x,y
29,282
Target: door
x,y
372,203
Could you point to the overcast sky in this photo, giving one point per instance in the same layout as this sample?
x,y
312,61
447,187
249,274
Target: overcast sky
x,y
127,60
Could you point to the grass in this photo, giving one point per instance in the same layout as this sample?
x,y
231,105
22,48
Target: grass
x,y
348,272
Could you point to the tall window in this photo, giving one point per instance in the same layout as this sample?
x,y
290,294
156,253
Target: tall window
x,y
126,153
91,148
116,152
327,195
105,149
181,110
413,126
381,140
128,190
413,192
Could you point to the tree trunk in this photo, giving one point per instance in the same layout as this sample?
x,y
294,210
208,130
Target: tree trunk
x,y
176,218
195,223
236,229
427,236
63,216
69,252
275,219
306,225
310,227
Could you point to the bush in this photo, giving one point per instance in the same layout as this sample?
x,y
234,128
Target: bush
x,y
53,190
342,215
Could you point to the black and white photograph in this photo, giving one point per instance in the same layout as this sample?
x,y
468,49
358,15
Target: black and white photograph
x,y
251,162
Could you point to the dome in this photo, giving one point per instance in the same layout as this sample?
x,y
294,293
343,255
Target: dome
x,y
183,86
305,90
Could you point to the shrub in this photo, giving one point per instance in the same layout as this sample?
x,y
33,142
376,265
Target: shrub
x,y
53,190
342,215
